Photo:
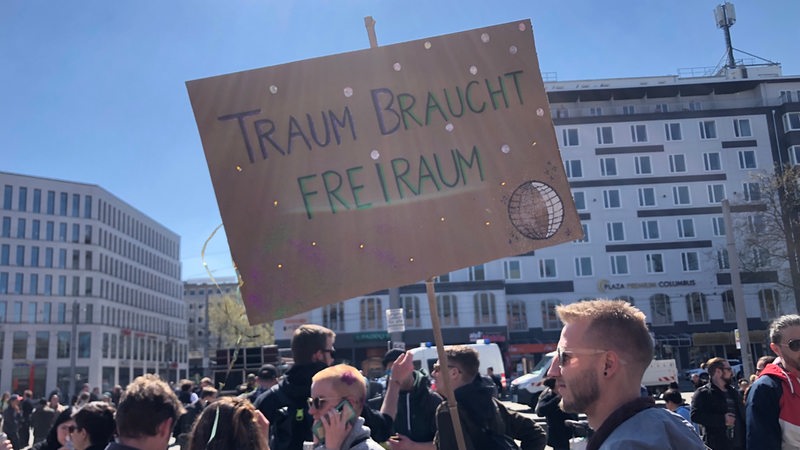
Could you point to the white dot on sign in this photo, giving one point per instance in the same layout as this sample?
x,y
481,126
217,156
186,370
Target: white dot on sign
x,y
427,45
485,37
397,67
313,244
441,219
539,112
275,203
473,70
348,92
449,127
374,154
505,148
487,223
512,49
411,259
503,183
522,27
533,144
273,89
238,168
280,266
361,245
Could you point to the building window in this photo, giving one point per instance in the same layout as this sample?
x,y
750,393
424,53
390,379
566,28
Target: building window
x,y
477,273
747,159
443,278
619,264
650,230
615,231
569,137
695,106
547,268
579,197
19,348
708,129
484,304
686,228
6,232
661,309
22,204
583,266
655,263
643,165
62,344
42,345
448,309
596,111
628,110
21,225
647,196
755,223
718,225
549,317
639,133
786,96
672,131
722,260
770,304
741,128
752,192
371,313
516,315
791,121
712,161
680,195
604,135
410,304
690,261
696,308
573,168
728,307
84,344
512,269
716,193
677,163
585,238
662,108
608,167
611,198
760,257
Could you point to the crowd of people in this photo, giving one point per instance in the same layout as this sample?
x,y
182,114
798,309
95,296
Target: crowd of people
x,y
602,353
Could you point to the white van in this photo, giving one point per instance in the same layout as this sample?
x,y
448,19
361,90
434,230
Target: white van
x,y
526,388
425,356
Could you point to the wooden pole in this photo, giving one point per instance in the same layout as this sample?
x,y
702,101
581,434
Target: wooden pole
x,y
452,404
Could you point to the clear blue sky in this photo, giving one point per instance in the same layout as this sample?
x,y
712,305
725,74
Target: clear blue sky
x,y
93,91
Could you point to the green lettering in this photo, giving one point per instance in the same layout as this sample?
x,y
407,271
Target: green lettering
x,y
379,170
354,188
471,106
426,173
306,194
493,93
515,77
405,110
400,175
475,158
433,105
439,169
333,191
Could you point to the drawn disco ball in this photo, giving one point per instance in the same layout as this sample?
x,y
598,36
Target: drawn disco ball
x,y
535,210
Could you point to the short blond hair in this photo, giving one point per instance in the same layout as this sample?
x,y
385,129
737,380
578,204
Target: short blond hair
x,y
347,381
615,325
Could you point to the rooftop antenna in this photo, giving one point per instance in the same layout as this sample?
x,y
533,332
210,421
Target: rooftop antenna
x,y
725,16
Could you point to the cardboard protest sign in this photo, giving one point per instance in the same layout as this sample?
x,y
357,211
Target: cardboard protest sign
x,y
344,175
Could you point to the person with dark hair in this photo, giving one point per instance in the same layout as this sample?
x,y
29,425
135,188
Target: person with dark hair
x,y
26,405
284,404
183,429
41,420
229,423
59,432
94,426
673,400
483,418
773,405
718,407
12,420
147,411
266,378
602,354
548,406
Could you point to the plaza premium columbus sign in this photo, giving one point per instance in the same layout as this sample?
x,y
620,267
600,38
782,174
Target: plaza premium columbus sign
x,y
348,174
605,285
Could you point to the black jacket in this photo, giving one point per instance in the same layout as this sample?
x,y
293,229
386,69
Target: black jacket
x,y
478,410
416,410
709,406
558,434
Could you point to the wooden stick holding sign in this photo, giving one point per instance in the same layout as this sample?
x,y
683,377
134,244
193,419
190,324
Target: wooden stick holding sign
x,y
452,404
369,23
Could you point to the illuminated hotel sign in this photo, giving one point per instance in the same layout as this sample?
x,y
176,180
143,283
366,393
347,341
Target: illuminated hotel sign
x,y
605,285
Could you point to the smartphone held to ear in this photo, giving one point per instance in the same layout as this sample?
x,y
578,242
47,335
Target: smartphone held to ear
x,y
348,416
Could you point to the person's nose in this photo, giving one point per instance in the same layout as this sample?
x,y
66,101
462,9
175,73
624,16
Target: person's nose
x,y
555,368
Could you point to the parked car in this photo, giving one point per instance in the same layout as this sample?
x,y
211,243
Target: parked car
x,y
736,366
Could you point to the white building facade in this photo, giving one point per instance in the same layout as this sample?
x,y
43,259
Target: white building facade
x,y
90,289
648,160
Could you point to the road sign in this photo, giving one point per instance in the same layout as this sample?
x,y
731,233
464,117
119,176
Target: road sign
x,y
395,321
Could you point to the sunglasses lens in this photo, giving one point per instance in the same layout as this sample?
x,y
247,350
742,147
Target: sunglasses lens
x,y
794,345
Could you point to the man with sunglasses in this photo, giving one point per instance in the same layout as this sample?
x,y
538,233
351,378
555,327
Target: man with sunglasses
x,y
718,407
602,354
285,404
773,401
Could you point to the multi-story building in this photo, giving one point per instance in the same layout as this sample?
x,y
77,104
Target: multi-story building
x,y
649,161
90,289
199,294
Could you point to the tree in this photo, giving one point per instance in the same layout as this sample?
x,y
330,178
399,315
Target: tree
x,y
228,325
770,238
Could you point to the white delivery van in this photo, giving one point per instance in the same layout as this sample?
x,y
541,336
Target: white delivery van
x,y
425,356
526,388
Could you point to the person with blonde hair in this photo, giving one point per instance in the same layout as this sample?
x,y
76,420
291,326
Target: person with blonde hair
x,y
338,395
602,354
230,423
